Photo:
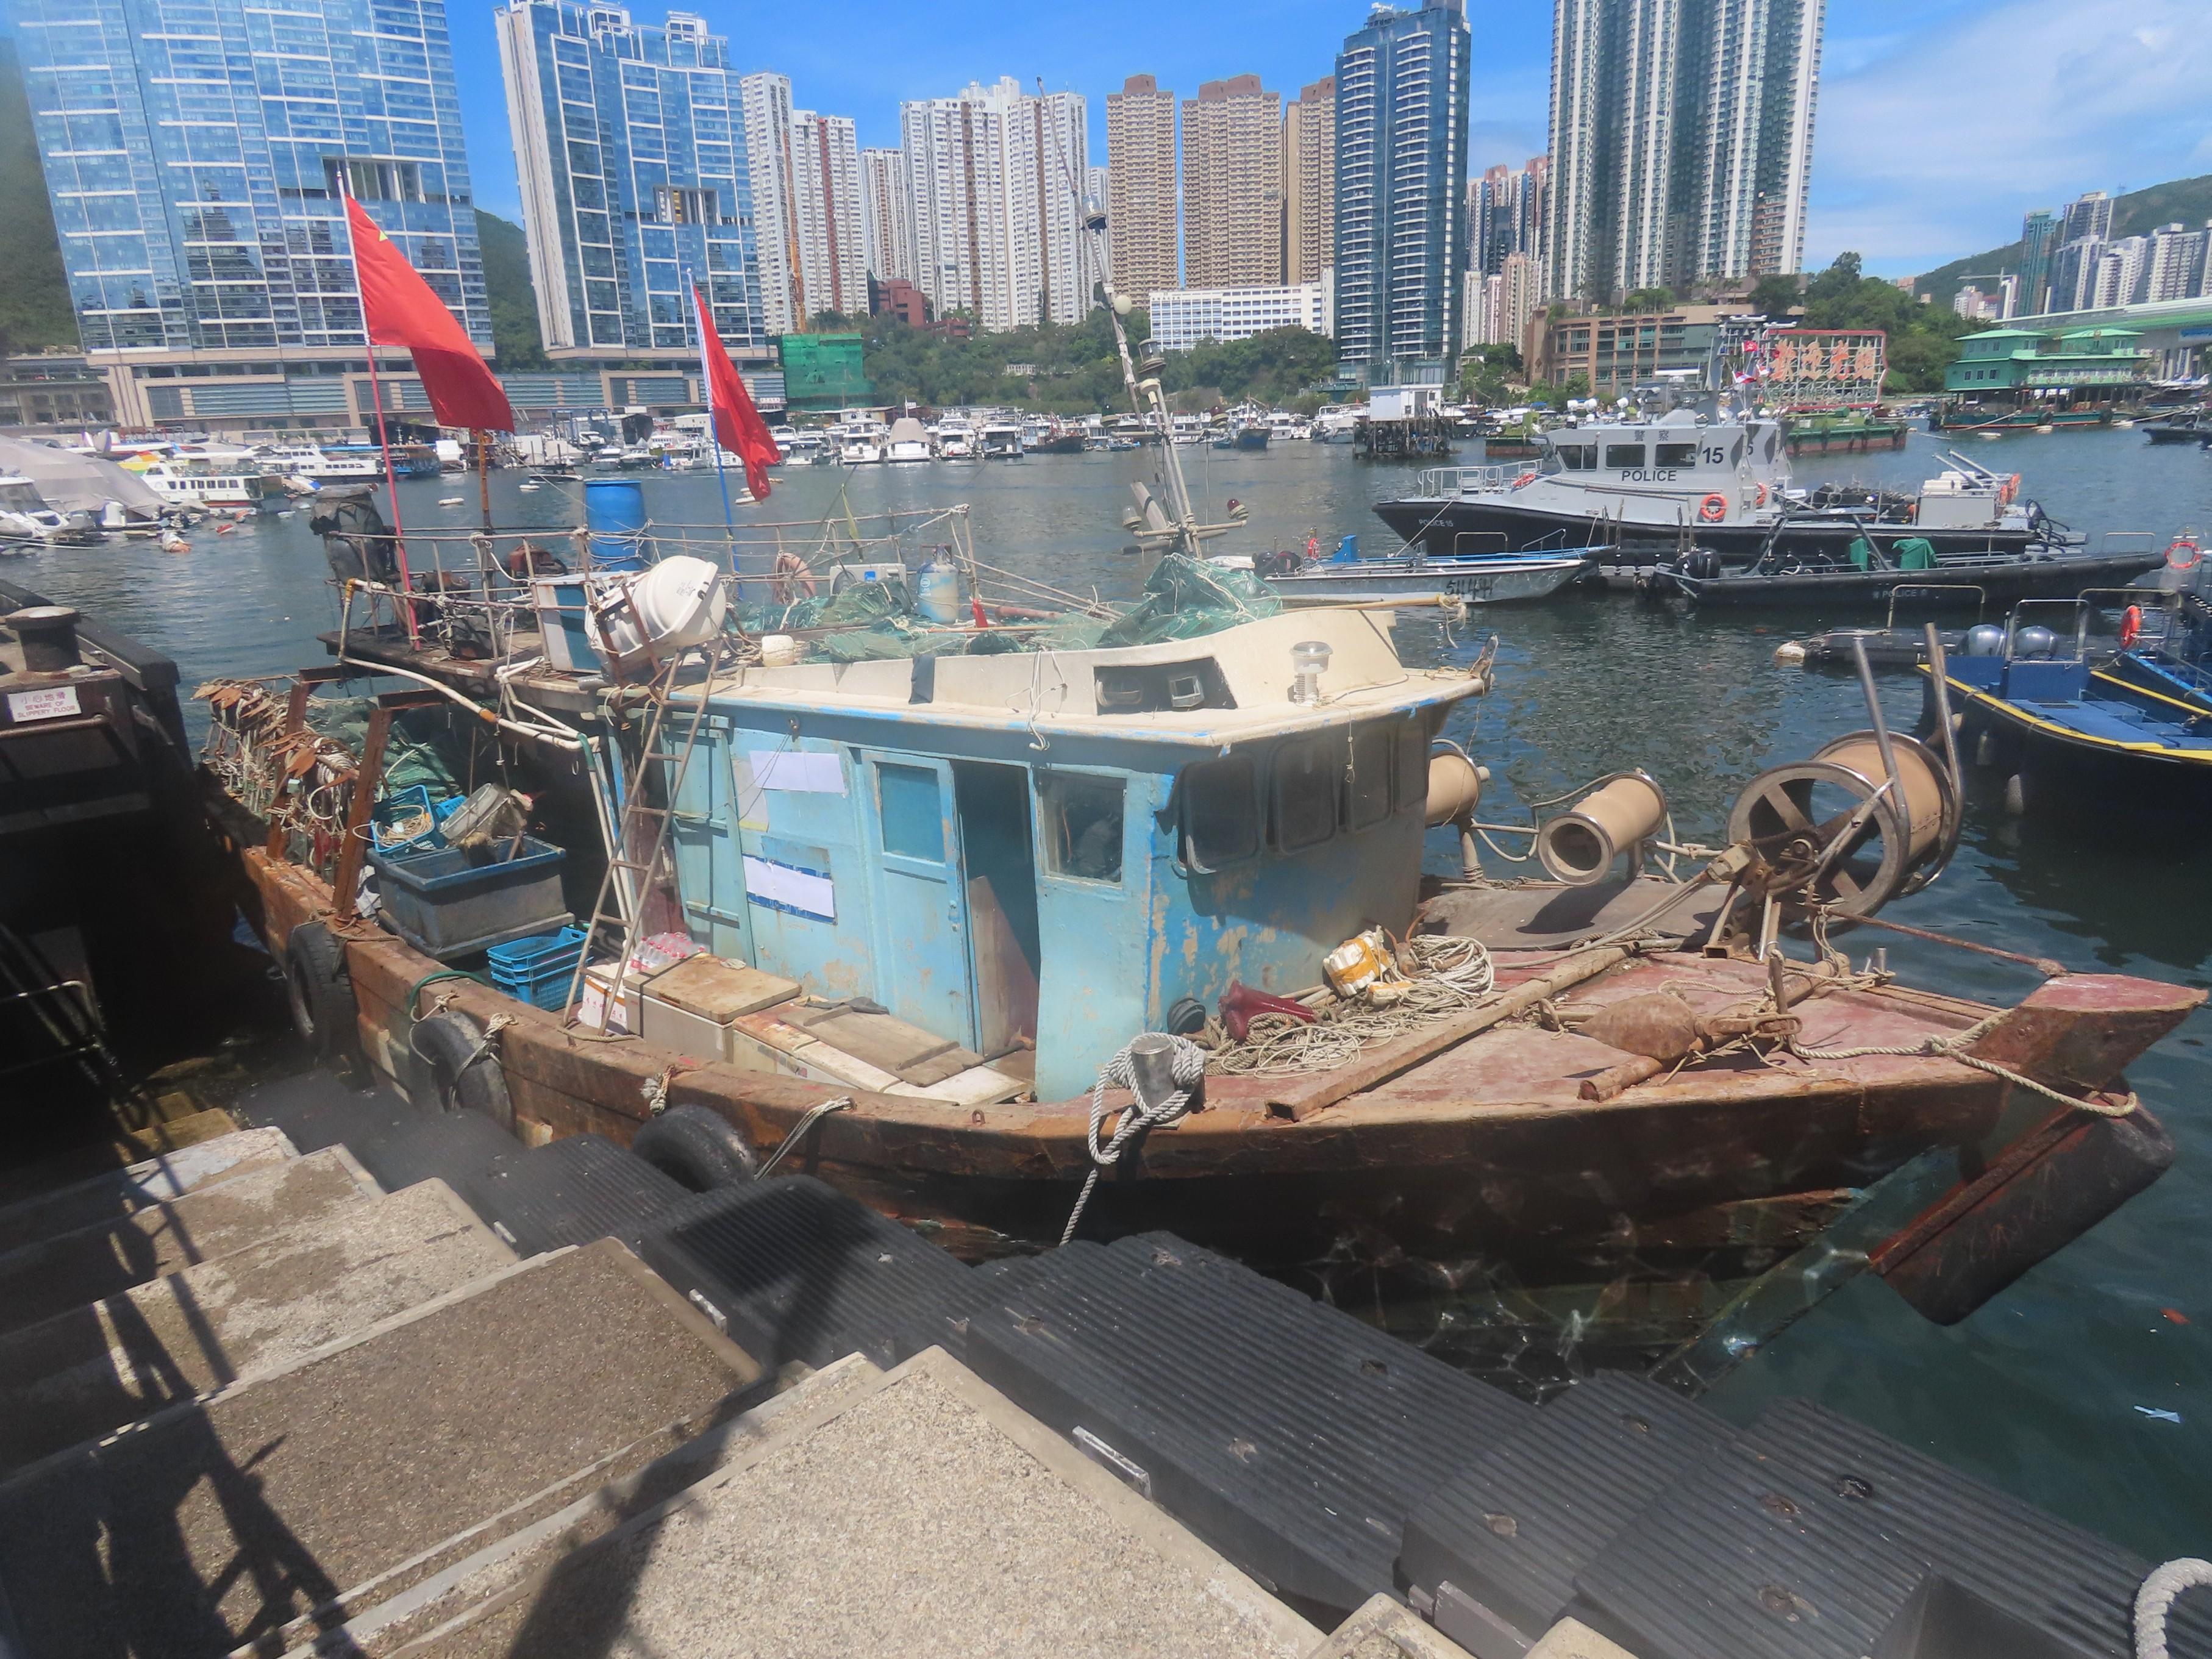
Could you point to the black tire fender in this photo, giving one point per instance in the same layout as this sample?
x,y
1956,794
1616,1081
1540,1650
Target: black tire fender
x,y
465,1069
318,990
697,1148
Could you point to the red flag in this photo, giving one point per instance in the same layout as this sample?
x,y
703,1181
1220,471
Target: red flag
x,y
737,425
403,310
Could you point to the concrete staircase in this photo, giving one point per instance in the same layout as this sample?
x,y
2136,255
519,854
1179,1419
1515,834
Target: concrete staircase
x,y
251,1402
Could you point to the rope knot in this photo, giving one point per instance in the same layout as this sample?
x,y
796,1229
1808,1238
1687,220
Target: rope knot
x,y
1186,1070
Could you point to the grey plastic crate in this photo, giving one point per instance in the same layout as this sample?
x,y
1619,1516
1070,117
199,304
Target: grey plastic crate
x,y
444,905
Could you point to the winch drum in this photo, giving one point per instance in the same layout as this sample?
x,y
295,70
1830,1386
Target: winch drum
x,y
1578,846
1778,815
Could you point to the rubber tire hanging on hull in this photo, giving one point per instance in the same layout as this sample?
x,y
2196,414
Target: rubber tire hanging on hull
x,y
318,991
465,1074
697,1148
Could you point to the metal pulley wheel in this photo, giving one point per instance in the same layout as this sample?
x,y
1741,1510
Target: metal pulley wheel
x,y
1818,825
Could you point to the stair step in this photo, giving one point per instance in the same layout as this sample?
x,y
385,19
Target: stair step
x,y
1817,1537
796,1271
572,1191
1292,1437
94,1368
1384,1629
1512,1530
72,1269
214,1521
119,1193
925,1514
187,1131
385,1615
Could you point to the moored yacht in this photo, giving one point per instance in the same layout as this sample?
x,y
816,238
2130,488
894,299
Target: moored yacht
x,y
908,442
319,465
1648,486
1001,440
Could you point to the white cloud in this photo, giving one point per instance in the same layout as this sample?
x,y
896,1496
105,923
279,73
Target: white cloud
x,y
1933,146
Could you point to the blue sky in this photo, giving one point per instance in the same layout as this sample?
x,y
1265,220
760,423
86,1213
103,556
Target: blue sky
x,y
1940,123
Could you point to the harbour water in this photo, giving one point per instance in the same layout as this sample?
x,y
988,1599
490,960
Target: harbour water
x,y
2067,1389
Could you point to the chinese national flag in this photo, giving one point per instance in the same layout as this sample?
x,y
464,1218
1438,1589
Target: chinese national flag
x,y
737,425
401,310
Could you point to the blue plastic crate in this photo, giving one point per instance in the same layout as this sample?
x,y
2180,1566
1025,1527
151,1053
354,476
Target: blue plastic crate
x,y
538,970
402,804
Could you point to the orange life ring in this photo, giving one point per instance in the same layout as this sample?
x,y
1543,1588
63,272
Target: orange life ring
x,y
1713,508
1759,497
793,580
2182,554
2131,626
1525,478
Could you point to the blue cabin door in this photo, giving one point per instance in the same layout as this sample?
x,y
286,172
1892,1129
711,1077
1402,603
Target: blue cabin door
x,y
924,975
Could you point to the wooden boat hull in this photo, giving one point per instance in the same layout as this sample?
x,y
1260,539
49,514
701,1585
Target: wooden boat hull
x,y
1821,440
1486,1149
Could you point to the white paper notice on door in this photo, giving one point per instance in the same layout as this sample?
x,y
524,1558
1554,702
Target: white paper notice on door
x,y
797,771
786,887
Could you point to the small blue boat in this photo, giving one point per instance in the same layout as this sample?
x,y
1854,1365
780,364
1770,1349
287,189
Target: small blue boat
x,y
2068,726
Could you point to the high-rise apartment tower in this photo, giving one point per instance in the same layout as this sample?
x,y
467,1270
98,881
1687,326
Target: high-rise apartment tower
x,y
629,141
1681,141
1309,182
1232,184
1401,192
1140,208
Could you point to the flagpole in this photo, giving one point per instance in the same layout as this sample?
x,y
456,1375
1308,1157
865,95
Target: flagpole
x,y
699,310
384,441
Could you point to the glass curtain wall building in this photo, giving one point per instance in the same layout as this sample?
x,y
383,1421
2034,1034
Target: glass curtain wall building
x,y
1401,194
195,152
629,141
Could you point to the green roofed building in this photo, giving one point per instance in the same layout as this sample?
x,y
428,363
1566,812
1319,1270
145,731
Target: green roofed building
x,y
824,371
2037,377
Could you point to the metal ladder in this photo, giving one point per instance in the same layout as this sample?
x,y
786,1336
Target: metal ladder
x,y
630,881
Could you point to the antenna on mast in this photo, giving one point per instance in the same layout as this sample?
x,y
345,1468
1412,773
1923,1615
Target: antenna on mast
x,y
1184,534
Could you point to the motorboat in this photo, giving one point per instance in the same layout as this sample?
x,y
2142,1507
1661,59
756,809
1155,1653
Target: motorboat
x,y
908,442
1413,574
1284,425
319,465
1001,440
955,442
860,448
1651,486
1868,572
26,518
182,484
1186,430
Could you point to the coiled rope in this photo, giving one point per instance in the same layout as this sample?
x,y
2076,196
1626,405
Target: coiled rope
x,y
2155,1601
1185,1065
1447,976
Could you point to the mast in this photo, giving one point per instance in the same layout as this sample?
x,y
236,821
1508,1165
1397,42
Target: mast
x,y
1167,470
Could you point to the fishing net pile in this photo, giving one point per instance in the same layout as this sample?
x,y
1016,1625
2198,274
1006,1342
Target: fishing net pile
x,y
1184,598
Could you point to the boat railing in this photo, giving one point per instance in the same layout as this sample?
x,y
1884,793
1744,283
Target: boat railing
x,y
1441,481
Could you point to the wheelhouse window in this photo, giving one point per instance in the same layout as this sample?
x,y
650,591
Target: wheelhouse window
x,y
913,811
1674,455
1303,795
1624,455
1367,780
1082,825
1220,813
1576,457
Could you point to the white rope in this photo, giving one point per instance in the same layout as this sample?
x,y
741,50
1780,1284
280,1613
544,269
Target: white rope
x,y
2155,1601
814,1116
1448,974
1185,1065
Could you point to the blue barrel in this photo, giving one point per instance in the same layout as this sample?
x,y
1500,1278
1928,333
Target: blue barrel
x,y
614,512
937,591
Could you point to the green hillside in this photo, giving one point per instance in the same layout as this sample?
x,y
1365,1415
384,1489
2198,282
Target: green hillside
x,y
34,304
2183,201
515,341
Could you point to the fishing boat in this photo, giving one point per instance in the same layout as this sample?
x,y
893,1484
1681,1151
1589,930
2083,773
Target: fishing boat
x,y
1867,573
1057,438
1348,577
1648,484
2080,723
943,890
